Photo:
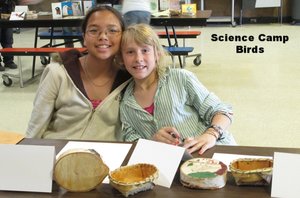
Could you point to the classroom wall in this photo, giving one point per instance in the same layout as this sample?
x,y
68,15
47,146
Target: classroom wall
x,y
223,8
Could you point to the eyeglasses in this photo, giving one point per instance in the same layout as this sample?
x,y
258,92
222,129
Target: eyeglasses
x,y
110,32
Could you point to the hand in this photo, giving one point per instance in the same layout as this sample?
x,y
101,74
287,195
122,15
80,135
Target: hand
x,y
167,135
201,143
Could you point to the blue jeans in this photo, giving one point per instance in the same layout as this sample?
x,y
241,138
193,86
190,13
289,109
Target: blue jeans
x,y
6,40
135,17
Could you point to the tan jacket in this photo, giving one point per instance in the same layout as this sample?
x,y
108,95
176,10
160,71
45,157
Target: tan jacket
x,y
63,111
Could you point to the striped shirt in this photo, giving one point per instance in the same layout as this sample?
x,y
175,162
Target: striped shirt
x,y
180,101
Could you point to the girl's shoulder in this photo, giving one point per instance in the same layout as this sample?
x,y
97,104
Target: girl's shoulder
x,y
179,73
55,69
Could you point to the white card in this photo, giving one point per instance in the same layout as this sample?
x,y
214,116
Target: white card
x,y
56,10
26,168
154,5
87,5
16,16
21,8
165,157
77,8
267,3
286,174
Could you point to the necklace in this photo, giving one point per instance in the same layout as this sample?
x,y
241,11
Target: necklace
x,y
90,79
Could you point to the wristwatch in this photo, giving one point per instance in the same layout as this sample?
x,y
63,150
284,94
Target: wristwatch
x,y
219,130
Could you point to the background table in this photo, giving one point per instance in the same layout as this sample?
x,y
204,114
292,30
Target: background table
x,y
46,21
197,20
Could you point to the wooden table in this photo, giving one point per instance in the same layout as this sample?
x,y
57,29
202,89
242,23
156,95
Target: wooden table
x,y
46,21
199,19
176,190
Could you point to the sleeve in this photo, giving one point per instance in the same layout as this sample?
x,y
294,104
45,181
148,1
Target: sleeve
x,y
44,103
206,103
129,134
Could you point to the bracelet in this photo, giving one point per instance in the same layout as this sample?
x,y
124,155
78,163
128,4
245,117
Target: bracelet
x,y
219,130
212,133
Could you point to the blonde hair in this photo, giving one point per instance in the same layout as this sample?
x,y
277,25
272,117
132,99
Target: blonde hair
x,y
144,34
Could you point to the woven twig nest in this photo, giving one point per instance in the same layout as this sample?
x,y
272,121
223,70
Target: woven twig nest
x,y
252,171
80,170
132,179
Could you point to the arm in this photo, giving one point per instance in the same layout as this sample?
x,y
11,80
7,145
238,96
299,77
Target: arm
x,y
168,135
210,136
129,133
212,112
44,102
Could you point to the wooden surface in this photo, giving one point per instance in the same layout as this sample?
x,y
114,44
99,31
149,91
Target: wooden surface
x,y
176,190
198,20
8,137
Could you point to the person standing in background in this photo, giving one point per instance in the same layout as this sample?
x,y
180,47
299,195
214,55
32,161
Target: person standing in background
x,y
136,11
6,35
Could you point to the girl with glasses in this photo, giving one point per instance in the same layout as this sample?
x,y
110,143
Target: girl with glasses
x,y
79,95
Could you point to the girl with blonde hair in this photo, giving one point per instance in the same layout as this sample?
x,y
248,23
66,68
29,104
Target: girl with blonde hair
x,y
168,105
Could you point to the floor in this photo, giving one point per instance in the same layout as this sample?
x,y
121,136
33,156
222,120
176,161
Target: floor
x,y
263,88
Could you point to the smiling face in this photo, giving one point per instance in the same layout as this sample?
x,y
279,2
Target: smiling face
x,y
139,59
142,52
103,35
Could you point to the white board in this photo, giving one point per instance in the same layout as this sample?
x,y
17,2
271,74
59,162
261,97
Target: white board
x,y
267,3
26,168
